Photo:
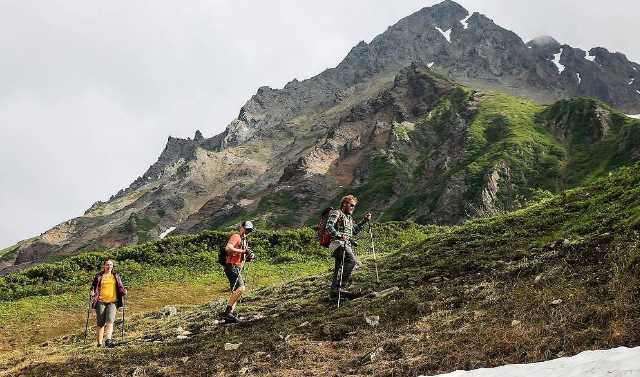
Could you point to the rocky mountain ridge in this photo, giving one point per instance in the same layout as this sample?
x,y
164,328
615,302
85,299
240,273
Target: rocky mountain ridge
x,y
355,121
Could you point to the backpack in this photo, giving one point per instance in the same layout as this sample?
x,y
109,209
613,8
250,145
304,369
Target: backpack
x,y
222,255
323,233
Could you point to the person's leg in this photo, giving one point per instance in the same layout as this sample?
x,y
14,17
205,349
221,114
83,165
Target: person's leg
x,y
235,296
108,330
100,318
110,316
335,283
236,283
349,264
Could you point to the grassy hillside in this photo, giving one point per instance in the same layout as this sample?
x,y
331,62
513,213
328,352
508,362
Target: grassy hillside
x,y
555,278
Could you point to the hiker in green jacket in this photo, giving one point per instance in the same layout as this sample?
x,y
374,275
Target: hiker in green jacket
x,y
342,228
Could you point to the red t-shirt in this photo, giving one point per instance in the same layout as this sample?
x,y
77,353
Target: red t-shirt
x,y
235,258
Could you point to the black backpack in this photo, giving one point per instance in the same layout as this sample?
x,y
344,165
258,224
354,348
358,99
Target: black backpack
x,y
222,255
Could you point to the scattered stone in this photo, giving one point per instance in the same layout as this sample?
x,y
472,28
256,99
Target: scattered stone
x,y
215,322
566,242
231,346
169,311
179,330
372,320
184,359
186,333
243,370
562,354
556,302
386,292
372,356
537,279
305,324
515,322
286,338
260,354
182,337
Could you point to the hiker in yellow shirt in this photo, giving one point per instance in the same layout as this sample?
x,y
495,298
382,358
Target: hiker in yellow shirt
x,y
107,291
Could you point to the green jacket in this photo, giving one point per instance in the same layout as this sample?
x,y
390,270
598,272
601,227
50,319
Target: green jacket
x,y
341,224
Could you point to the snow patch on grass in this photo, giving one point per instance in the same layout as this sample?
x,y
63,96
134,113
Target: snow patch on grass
x,y
579,78
620,361
637,116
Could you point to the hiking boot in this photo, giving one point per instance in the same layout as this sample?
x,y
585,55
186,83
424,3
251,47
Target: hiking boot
x,y
344,295
109,343
99,345
230,318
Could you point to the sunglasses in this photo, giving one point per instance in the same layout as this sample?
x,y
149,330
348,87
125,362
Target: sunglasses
x,y
248,230
351,205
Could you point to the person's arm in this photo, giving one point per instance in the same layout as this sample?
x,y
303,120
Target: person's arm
x,y
94,284
331,225
121,288
360,225
231,246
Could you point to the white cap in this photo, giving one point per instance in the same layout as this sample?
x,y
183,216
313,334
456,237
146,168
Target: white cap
x,y
247,225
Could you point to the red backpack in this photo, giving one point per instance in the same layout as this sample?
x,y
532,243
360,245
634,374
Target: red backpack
x,y
323,233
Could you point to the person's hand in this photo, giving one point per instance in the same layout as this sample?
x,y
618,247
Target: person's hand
x,y
91,293
368,216
250,256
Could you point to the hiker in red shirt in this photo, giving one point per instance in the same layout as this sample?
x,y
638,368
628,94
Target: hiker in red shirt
x,y
237,253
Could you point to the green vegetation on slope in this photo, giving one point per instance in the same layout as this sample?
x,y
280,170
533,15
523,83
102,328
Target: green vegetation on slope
x,y
472,296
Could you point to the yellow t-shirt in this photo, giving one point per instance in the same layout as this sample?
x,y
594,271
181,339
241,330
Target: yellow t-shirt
x,y
108,288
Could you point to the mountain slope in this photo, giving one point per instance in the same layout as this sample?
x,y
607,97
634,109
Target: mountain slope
x,y
555,278
196,182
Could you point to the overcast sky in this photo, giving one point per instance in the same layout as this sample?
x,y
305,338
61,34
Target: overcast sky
x,y
90,90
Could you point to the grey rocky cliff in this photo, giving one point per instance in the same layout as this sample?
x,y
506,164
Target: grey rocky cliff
x,y
314,136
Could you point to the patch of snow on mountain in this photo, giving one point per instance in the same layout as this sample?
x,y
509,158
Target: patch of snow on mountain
x,y
615,362
637,116
446,34
166,232
465,22
638,91
431,64
590,58
556,61
632,80
579,78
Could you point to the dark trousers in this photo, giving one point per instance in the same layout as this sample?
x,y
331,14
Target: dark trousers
x,y
349,264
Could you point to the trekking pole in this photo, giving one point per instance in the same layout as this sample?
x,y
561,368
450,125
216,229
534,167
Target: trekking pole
x,y
373,249
242,246
86,326
344,252
246,275
123,308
